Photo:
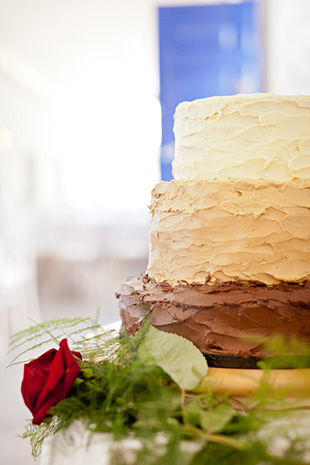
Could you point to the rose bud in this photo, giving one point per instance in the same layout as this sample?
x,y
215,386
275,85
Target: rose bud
x,y
48,379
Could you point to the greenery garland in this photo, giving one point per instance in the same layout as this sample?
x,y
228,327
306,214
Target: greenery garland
x,y
130,389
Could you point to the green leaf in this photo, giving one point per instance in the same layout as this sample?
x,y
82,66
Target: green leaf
x,y
87,372
177,356
214,421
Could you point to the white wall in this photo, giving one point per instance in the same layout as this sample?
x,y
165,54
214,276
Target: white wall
x,y
79,93
288,46
79,88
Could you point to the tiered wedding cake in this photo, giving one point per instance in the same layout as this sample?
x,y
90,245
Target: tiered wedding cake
x,y
230,236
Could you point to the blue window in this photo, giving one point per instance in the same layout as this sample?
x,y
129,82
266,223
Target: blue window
x,y
204,51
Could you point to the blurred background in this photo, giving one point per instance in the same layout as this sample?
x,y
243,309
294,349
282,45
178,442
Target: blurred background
x,y
88,89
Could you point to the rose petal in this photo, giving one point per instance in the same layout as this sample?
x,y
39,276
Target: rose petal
x,y
35,376
32,385
64,370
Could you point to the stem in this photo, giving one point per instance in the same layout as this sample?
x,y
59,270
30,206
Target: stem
x,y
45,330
217,438
225,441
183,400
183,396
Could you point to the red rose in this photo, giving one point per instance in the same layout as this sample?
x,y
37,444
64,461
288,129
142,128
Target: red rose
x,y
48,379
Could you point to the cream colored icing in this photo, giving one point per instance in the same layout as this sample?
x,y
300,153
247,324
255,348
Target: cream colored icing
x,y
230,230
256,136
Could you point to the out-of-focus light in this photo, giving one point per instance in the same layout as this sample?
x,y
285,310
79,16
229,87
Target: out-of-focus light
x,y
108,130
5,139
104,128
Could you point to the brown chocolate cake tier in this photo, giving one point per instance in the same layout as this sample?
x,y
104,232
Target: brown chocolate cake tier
x,y
220,319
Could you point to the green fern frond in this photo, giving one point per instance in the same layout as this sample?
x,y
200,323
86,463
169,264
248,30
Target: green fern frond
x,y
37,434
56,329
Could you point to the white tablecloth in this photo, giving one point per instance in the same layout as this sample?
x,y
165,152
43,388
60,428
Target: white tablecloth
x,y
80,447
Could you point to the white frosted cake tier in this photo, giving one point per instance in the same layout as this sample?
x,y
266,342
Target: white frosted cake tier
x,y
255,136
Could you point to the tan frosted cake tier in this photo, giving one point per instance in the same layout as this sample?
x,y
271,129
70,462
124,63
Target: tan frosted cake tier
x,y
230,231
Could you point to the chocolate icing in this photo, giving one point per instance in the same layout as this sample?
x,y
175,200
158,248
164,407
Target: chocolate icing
x,y
218,318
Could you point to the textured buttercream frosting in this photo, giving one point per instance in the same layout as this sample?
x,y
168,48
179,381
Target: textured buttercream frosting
x,y
230,236
230,231
227,318
256,136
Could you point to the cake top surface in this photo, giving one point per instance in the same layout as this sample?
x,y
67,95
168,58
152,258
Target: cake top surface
x,y
243,136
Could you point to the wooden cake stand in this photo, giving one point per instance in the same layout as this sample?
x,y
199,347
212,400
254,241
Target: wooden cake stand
x,y
241,382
